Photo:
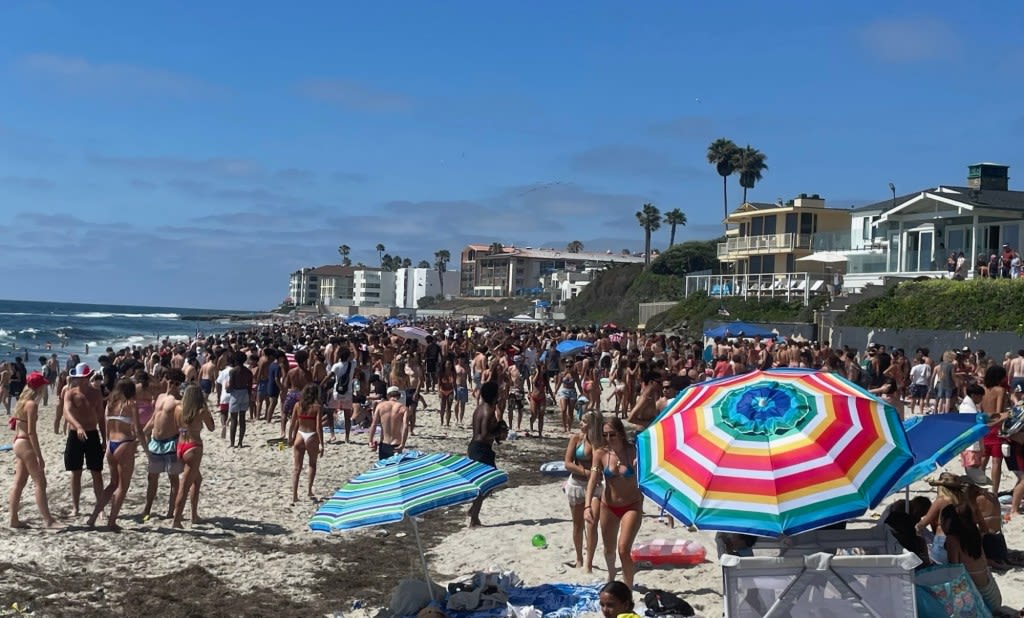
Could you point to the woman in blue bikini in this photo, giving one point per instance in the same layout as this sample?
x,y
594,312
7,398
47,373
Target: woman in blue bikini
x,y
622,503
123,431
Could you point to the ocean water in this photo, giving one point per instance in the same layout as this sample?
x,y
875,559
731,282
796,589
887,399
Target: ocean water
x,y
30,326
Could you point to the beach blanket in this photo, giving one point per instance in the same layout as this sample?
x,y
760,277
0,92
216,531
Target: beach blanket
x,y
549,600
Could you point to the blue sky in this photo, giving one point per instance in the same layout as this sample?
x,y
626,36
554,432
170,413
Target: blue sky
x,y
193,154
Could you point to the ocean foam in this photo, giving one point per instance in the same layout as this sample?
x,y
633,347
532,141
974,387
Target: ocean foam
x,y
98,314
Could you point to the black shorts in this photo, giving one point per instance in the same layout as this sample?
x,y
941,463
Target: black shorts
x,y
995,547
551,373
482,452
431,364
90,452
384,450
15,389
360,399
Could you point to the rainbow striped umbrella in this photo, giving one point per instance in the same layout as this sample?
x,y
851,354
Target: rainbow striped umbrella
x,y
774,452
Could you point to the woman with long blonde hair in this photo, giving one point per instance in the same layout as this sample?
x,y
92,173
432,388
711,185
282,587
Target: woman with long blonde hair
x,y
28,456
192,414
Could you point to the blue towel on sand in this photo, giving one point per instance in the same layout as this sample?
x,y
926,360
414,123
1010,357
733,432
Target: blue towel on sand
x,y
5,447
553,601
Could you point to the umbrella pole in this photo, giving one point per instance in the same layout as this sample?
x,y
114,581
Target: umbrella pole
x,y
423,558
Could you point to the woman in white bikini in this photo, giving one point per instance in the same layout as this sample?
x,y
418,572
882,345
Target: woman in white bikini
x,y
28,456
305,438
123,431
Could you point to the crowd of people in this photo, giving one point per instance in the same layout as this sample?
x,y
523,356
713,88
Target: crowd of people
x,y
317,380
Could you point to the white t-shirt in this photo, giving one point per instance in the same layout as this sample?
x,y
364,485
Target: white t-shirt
x,y
967,406
224,378
344,372
919,374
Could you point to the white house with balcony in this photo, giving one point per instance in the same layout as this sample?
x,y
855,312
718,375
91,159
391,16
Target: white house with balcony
x,y
911,235
412,284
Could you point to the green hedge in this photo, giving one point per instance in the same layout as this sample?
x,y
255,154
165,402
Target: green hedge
x,y
615,293
979,304
699,307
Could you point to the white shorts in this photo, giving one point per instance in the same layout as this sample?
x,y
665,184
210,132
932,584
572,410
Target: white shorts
x,y
576,490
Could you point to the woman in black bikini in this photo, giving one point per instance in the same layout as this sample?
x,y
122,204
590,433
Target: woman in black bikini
x,y
28,456
305,437
622,503
123,431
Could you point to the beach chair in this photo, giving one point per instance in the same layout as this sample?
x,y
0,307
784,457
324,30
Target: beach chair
x,y
817,286
872,540
820,585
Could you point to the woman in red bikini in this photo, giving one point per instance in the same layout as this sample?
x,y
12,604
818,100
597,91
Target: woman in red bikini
x,y
304,436
622,503
123,431
28,456
446,390
538,400
192,415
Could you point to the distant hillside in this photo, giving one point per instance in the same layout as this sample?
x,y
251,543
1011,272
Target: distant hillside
x,y
979,304
699,307
615,293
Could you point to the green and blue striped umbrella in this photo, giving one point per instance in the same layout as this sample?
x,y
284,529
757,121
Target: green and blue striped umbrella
x,y
408,488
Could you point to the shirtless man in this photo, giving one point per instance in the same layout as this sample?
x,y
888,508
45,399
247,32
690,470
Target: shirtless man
x,y
478,366
392,418
208,375
1015,369
263,386
461,389
83,410
162,431
486,430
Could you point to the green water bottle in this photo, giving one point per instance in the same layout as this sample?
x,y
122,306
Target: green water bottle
x,y
539,541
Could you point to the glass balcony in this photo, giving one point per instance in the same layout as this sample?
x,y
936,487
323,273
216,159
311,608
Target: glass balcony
x,y
771,243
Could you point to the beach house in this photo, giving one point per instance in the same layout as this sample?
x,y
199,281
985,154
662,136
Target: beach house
x,y
497,270
911,235
767,246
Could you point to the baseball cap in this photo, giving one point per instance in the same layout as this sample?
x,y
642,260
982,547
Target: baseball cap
x,y
81,370
393,390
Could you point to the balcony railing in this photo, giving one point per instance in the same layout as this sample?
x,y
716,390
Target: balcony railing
x,y
790,286
771,243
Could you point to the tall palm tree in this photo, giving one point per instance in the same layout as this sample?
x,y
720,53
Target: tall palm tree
x,y
722,154
673,218
380,253
497,247
407,263
423,264
441,259
750,162
574,247
343,251
649,218
387,262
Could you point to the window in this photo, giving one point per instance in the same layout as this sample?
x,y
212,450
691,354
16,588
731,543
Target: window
x,y
769,224
806,223
756,226
791,223
866,228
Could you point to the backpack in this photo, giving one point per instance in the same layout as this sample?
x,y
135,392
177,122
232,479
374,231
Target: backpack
x,y
342,382
663,603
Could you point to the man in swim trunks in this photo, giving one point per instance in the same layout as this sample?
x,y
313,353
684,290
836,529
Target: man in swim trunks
x,y
208,374
342,374
162,430
392,418
83,410
486,430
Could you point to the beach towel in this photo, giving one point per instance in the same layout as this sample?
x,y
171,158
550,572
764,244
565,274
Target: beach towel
x,y
544,601
6,447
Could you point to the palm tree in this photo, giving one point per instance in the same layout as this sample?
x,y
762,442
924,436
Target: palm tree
x,y
380,253
406,263
649,218
574,247
722,154
441,259
423,264
497,247
750,162
673,218
344,250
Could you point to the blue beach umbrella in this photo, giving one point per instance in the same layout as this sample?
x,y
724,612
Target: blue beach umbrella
x,y
392,322
358,319
572,346
936,439
738,329
405,489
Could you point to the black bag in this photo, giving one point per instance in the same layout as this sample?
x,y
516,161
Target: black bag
x,y
663,603
342,382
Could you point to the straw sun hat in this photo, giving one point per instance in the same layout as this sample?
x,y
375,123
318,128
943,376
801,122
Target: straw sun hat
x,y
949,480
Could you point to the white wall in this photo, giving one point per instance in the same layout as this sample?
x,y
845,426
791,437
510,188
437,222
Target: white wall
x,y
373,288
412,284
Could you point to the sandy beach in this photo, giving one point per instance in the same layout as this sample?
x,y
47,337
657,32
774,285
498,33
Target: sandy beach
x,y
253,554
